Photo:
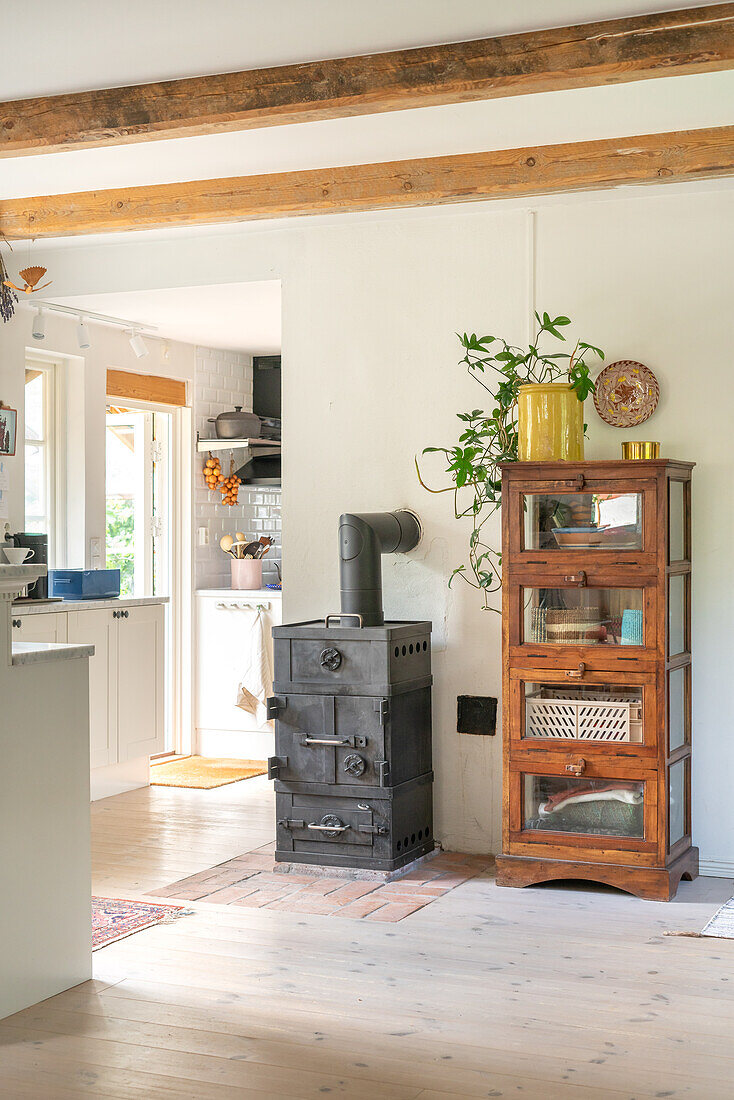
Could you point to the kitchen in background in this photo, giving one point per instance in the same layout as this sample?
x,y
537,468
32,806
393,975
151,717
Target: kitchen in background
x,y
223,380
234,656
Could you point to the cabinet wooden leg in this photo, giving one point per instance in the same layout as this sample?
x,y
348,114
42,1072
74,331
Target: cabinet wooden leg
x,y
650,883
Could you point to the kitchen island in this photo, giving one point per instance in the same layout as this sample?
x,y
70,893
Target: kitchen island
x,y
45,865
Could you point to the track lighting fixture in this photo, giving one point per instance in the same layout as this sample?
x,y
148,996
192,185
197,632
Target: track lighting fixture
x,y
137,343
39,325
82,334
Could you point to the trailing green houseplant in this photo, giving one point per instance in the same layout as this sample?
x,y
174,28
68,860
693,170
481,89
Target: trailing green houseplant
x,y
491,438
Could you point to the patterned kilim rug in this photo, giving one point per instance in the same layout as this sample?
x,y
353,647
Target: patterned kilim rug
x,y
721,924
204,772
114,918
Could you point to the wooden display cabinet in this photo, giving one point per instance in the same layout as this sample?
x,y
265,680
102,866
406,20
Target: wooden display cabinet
x,y
597,674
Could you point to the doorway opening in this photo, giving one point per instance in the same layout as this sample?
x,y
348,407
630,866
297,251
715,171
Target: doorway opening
x,y
138,494
139,539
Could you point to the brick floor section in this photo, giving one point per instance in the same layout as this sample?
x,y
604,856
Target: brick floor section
x,y
250,881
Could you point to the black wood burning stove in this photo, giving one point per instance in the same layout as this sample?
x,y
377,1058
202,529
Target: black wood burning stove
x,y
352,712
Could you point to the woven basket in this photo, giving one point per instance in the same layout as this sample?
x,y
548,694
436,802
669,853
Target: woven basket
x,y
568,626
598,716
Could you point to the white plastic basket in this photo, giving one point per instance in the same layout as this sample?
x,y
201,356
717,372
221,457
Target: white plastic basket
x,y
594,716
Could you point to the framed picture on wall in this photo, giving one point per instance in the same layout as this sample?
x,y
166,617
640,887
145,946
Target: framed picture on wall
x,y
8,422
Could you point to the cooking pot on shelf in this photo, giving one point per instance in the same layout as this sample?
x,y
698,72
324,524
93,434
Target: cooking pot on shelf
x,y
236,424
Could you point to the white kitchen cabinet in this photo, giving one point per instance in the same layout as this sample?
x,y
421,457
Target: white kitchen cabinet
x,y
140,682
100,628
224,620
39,628
126,682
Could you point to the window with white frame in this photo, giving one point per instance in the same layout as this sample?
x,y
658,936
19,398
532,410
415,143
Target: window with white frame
x,y
40,449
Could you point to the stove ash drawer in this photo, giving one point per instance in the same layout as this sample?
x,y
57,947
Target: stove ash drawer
x,y
351,740
358,832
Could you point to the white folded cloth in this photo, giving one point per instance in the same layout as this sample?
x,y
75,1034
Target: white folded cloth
x,y
256,683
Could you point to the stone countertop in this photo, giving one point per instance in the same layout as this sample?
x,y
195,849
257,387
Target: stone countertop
x,y
55,606
15,577
241,593
32,653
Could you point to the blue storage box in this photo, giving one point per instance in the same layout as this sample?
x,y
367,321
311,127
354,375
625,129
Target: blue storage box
x,y
84,584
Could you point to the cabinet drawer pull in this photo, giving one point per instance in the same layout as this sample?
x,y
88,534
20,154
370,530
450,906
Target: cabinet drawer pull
x,y
578,483
579,579
578,768
576,673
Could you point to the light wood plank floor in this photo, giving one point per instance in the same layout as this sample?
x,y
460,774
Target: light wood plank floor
x,y
552,992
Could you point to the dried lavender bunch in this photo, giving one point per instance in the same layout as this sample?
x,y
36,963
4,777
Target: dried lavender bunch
x,y
8,297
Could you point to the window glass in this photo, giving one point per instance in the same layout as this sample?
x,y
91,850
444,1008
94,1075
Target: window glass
x,y
39,453
677,704
676,521
677,802
676,615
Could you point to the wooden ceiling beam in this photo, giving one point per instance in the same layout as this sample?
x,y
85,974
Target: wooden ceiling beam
x,y
506,173
692,40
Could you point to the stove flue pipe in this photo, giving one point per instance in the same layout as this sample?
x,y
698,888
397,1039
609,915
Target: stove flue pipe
x,y
362,539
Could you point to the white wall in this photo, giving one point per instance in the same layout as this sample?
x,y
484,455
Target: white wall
x,y
370,307
109,348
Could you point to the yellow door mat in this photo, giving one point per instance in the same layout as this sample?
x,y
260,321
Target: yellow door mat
x,y
204,772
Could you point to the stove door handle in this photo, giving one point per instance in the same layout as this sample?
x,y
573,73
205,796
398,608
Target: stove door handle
x,y
327,828
325,741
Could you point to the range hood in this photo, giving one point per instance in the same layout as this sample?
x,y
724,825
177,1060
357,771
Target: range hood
x,y
261,470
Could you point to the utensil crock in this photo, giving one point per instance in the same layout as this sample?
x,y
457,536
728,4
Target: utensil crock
x,y
247,573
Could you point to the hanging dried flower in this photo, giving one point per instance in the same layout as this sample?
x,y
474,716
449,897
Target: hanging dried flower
x,y
8,297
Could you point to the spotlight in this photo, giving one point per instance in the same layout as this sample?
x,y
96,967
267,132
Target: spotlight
x,y
82,334
137,343
39,326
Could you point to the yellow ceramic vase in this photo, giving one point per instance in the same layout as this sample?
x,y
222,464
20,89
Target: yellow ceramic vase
x,y
550,423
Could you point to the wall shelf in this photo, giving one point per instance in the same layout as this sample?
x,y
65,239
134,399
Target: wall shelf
x,y
262,446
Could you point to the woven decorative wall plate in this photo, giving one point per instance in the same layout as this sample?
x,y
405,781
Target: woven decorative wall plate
x,y
626,394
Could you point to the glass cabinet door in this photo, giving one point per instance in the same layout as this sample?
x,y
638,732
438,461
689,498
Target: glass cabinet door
x,y
587,521
591,807
583,616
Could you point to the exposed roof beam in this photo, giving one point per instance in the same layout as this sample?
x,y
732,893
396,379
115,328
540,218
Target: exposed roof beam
x,y
692,40
580,166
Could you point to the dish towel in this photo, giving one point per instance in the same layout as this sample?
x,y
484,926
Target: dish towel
x,y
256,682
